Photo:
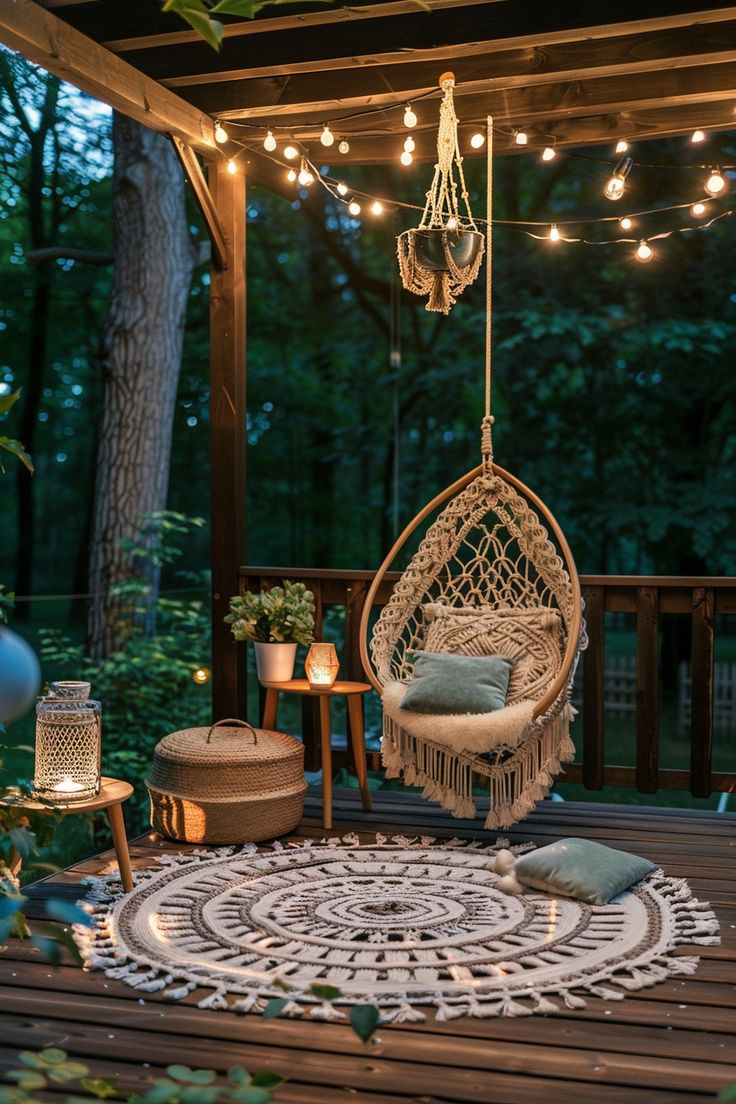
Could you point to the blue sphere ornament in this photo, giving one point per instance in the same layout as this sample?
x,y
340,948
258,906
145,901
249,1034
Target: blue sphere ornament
x,y
20,675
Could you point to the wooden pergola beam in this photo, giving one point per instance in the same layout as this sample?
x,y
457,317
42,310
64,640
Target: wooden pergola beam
x,y
595,129
440,37
323,16
515,104
43,38
205,201
269,96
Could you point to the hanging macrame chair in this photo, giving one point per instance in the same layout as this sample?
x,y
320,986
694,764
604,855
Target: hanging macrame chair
x,y
493,574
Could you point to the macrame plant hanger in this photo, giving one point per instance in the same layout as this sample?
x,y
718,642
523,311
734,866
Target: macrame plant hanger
x,y
443,255
495,562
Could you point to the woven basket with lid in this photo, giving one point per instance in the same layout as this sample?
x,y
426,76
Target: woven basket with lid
x,y
230,783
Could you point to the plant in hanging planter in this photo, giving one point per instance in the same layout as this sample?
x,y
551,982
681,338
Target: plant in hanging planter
x,y
443,255
276,620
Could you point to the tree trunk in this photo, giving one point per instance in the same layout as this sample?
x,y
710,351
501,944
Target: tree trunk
x,y
154,262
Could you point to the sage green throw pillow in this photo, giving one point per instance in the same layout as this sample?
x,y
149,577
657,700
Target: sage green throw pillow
x,y
447,683
582,869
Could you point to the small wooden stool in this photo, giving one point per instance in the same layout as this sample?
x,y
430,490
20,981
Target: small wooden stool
x,y
351,691
112,794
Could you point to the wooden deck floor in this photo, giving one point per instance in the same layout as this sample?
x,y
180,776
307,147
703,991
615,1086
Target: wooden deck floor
x,y
671,1044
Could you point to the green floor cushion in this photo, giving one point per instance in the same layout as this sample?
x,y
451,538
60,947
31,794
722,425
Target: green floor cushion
x,y
582,869
446,683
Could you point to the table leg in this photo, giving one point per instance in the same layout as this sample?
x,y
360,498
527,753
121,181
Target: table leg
x,y
325,731
270,708
357,737
120,840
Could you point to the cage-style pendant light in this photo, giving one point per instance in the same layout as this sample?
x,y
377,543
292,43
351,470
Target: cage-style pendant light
x,y
443,255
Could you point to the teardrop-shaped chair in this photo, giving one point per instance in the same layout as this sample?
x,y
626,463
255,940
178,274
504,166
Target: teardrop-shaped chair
x,y
492,574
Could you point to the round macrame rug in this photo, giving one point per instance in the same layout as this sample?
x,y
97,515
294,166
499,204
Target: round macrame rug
x,y
399,923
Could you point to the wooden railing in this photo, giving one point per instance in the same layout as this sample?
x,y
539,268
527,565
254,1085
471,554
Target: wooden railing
x,y
651,600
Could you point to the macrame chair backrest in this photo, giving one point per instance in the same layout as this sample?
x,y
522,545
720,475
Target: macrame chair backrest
x,y
491,545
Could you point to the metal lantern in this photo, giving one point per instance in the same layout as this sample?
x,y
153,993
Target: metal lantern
x,y
321,665
68,745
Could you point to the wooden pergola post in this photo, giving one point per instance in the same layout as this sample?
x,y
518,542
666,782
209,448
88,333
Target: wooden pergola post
x,y
227,432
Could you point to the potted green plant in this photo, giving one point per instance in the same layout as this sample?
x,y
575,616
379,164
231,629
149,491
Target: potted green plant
x,y
276,620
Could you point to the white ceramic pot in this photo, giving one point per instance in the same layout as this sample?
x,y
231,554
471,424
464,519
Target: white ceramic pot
x,y
275,662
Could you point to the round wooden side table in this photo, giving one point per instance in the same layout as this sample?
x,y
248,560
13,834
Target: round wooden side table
x,y
351,691
112,794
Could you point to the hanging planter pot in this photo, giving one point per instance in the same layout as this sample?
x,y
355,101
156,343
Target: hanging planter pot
x,y
432,246
443,255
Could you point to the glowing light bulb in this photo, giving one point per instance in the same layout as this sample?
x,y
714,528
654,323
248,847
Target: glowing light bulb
x,y
614,189
410,119
326,137
715,183
290,152
377,207
452,223
291,176
698,210
554,233
625,223
549,153
477,140
269,142
354,208
644,252
202,676
410,144
407,157
342,189
521,137
622,145
305,177
232,168
344,146
697,136
221,135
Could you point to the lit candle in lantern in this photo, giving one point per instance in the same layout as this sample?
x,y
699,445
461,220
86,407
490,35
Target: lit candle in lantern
x,y
321,665
68,785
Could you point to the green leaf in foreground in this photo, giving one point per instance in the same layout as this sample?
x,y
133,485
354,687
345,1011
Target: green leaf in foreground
x,y
364,1019
267,1079
274,1008
326,992
17,449
100,1087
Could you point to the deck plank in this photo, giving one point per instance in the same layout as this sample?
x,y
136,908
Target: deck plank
x,y
674,1043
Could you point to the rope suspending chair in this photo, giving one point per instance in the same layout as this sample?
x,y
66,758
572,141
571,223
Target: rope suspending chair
x,y
493,574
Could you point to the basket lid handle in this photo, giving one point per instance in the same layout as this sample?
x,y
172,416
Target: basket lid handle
x,y
232,721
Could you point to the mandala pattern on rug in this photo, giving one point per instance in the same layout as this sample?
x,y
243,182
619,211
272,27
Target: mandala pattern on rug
x,y
399,923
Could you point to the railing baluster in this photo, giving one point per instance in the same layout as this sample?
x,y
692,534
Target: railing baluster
x,y
356,593
319,611
701,692
593,689
647,689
